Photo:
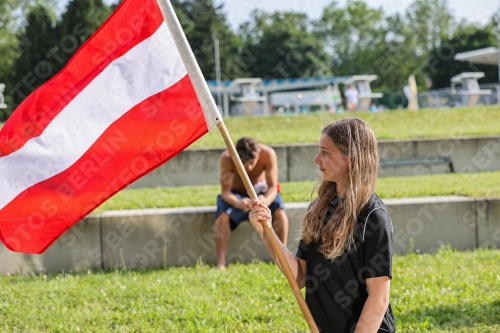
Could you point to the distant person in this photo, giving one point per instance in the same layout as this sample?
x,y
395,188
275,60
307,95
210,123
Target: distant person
x,y
233,204
344,257
331,108
373,108
340,108
407,92
351,95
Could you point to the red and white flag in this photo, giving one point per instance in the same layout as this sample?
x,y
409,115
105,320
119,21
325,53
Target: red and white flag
x,y
122,106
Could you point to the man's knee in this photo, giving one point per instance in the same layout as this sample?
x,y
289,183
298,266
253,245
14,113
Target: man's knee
x,y
223,218
222,222
280,219
280,215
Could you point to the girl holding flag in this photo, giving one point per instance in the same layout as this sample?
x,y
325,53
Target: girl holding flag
x,y
344,257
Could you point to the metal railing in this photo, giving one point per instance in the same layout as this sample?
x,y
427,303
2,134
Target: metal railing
x,y
448,97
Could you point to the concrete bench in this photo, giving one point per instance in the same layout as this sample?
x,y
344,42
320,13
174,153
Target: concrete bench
x,y
414,166
407,157
412,161
156,238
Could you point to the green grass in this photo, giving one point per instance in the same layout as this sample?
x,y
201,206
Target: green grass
x,y
485,184
445,292
480,120
468,121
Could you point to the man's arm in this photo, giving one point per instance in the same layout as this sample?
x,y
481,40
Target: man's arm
x,y
226,177
271,178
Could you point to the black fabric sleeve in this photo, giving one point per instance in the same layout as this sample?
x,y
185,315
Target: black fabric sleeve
x,y
377,244
302,250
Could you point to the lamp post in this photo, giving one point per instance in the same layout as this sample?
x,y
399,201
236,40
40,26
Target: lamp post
x,y
217,70
498,48
496,22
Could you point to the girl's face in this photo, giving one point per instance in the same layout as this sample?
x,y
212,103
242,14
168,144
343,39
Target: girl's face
x,y
332,163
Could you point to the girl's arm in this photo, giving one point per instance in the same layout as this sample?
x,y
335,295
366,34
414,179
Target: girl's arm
x,y
261,212
375,306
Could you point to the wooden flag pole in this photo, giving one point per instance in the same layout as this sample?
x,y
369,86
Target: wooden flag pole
x,y
273,239
207,102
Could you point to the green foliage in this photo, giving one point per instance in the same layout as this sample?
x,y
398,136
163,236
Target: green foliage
x,y
31,68
80,20
8,42
347,39
485,184
353,35
41,49
397,59
467,37
361,40
431,22
201,20
445,292
13,15
283,47
8,46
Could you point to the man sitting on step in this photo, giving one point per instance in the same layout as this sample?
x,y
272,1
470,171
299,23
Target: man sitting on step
x,y
234,204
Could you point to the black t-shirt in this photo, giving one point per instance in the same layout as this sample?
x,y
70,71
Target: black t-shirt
x,y
336,291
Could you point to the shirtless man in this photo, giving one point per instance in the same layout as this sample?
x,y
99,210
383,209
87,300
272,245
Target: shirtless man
x,y
233,204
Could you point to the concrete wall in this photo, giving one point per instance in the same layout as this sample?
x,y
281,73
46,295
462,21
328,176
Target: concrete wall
x,y
468,154
167,237
79,249
488,221
156,238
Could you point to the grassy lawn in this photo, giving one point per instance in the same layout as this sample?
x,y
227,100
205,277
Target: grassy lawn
x,y
445,292
480,120
485,184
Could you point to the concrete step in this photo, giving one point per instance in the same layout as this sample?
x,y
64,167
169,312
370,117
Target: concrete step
x,y
295,162
156,238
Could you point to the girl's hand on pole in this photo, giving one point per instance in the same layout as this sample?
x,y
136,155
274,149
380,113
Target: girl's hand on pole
x,y
259,212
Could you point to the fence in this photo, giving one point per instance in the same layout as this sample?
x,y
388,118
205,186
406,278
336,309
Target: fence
x,y
448,97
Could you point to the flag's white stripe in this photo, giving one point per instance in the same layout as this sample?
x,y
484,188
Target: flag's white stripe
x,y
149,68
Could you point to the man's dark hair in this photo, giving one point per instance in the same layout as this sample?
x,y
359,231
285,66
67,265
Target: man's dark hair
x,y
248,148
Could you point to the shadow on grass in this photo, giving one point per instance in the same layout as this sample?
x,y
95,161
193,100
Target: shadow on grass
x,y
452,318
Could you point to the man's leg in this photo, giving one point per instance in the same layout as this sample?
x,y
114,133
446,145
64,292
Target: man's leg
x,y
280,225
222,231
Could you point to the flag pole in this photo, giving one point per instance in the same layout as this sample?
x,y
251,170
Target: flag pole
x,y
207,102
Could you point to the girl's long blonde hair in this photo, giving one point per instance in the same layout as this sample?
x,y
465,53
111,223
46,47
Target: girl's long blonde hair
x,y
355,139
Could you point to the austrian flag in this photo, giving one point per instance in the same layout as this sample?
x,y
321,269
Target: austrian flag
x,y
126,103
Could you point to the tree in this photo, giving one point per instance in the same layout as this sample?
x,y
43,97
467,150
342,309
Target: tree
x,y
399,57
115,5
353,36
80,20
441,65
12,21
283,47
8,47
8,40
431,22
31,68
201,19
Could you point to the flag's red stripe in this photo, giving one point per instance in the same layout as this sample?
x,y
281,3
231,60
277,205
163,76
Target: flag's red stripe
x,y
165,124
131,23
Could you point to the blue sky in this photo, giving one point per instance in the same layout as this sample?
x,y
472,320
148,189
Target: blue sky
x,y
238,10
